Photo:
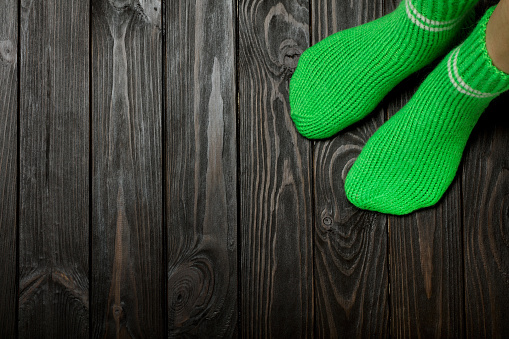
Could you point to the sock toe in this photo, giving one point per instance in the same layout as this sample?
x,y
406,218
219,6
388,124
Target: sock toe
x,y
367,188
317,103
342,78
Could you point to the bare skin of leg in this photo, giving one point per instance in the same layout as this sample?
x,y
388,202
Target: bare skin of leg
x,y
497,36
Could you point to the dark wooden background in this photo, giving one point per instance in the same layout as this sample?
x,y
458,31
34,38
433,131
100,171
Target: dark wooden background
x,y
153,185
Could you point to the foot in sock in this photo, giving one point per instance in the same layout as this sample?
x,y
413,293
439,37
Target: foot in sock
x,y
412,159
341,79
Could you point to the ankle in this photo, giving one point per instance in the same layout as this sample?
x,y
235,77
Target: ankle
x,y
497,37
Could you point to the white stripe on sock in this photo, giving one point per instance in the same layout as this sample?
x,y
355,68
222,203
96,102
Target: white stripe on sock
x,y
459,84
415,16
429,21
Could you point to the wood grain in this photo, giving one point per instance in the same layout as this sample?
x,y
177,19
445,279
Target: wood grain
x,y
127,169
54,160
486,225
8,164
210,215
351,263
201,173
275,174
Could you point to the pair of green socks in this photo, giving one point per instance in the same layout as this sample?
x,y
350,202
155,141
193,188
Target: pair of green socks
x,y
412,159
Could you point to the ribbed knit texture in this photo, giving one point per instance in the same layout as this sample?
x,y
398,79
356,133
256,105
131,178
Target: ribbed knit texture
x,y
412,159
342,78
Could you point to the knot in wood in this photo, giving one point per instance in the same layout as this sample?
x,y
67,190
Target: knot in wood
x,y
327,221
121,4
289,54
117,312
7,51
190,288
285,47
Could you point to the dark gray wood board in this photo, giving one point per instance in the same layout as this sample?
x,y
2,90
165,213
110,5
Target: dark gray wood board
x,y
158,159
54,169
275,174
127,243
8,164
201,175
486,219
350,255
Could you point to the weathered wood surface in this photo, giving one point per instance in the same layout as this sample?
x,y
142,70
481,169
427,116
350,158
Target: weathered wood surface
x,y
54,161
276,211
8,164
201,175
350,254
126,230
158,159
486,226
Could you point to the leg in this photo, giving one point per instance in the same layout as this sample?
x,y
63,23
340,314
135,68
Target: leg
x,y
497,36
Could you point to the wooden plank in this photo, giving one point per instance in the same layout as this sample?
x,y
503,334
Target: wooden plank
x,y
201,189
127,270
8,164
275,174
486,219
351,263
54,169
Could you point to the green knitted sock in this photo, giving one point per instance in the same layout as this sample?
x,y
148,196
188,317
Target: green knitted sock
x,y
412,159
341,79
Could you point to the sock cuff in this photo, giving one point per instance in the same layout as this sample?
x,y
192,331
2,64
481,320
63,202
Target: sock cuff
x,y
471,69
437,16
